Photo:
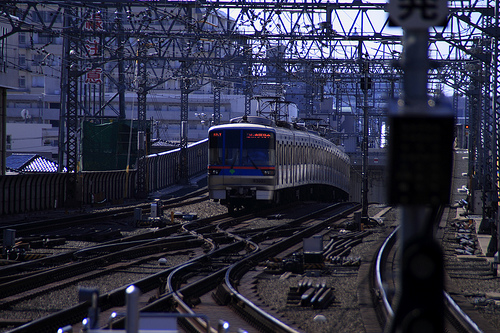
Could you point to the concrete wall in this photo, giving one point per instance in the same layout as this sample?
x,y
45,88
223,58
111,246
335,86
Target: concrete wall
x,y
32,138
377,191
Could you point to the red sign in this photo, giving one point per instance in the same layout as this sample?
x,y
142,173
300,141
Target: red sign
x,y
92,47
258,135
95,23
94,76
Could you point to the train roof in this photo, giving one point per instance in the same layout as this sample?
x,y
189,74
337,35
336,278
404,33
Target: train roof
x,y
251,121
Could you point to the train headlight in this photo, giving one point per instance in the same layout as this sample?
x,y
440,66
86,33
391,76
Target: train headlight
x,y
268,172
213,171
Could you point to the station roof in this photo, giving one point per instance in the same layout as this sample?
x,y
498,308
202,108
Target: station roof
x,y
27,163
3,86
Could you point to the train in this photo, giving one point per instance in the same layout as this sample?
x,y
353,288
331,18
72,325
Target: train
x,y
254,160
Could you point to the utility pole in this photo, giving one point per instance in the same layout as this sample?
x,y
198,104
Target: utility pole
x,y
496,105
365,84
121,65
69,115
217,88
3,130
142,91
183,162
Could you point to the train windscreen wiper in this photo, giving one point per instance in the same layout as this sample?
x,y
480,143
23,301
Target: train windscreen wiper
x,y
251,161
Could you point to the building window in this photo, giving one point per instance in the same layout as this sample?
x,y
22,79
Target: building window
x,y
37,81
35,17
37,59
22,60
22,38
44,38
21,105
22,81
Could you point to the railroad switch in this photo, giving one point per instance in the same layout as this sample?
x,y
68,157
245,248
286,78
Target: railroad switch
x,y
295,264
20,254
33,256
52,242
190,216
14,254
222,295
311,293
313,253
151,222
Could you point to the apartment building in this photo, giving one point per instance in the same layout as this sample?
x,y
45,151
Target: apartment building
x,y
31,64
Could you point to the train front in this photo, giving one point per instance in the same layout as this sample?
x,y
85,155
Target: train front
x,y
241,164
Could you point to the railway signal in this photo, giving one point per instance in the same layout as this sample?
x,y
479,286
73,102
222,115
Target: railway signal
x,y
421,143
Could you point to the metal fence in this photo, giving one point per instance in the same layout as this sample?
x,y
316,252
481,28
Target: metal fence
x,y
42,191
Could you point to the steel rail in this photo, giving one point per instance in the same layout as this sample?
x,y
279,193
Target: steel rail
x,y
451,306
460,315
381,256
267,322
15,291
115,298
178,295
27,228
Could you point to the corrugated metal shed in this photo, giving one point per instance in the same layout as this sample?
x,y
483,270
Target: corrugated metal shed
x,y
26,163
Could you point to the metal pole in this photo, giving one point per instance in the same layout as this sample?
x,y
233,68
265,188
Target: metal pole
x,y
132,319
364,173
121,65
142,91
183,162
495,129
3,130
419,192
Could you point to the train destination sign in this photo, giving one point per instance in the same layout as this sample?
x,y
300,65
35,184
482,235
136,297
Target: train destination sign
x,y
258,135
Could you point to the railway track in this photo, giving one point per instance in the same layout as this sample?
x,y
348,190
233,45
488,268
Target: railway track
x,y
103,227
44,226
190,284
167,289
97,261
456,320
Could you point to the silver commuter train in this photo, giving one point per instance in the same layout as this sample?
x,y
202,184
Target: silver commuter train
x,y
253,160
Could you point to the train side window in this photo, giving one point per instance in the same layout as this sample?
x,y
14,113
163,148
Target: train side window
x,y
282,159
289,162
288,154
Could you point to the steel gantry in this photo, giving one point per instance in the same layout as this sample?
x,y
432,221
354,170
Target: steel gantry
x,y
312,45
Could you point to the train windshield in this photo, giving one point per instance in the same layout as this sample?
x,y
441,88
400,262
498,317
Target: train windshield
x,y
258,148
215,147
241,148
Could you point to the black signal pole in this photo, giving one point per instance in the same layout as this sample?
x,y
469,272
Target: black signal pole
x,y
420,166
365,84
